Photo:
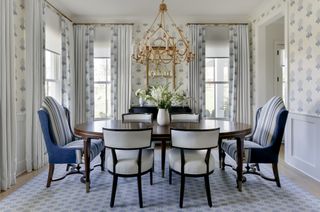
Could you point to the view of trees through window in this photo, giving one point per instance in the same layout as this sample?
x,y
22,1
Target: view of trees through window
x,y
102,88
217,87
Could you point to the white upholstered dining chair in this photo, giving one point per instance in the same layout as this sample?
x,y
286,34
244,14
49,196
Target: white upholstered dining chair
x,y
130,156
137,117
185,117
191,156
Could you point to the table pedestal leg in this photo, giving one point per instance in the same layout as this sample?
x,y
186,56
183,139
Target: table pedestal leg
x,y
163,156
86,143
239,163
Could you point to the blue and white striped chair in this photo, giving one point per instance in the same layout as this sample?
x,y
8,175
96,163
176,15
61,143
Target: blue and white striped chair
x,y
63,146
263,145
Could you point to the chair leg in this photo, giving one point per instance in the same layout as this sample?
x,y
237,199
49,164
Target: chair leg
x,y
67,168
248,167
50,174
151,173
103,158
207,184
219,152
258,167
182,190
114,189
223,155
170,176
140,191
276,174
163,156
78,167
151,177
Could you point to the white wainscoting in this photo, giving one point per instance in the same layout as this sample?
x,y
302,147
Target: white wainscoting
x,y
21,143
302,144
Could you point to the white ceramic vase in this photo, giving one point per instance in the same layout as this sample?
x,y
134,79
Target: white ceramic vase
x,y
141,101
163,117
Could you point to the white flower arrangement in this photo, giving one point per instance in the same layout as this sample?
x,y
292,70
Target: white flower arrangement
x,y
162,97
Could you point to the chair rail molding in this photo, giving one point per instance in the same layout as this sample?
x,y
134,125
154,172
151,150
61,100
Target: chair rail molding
x,y
302,144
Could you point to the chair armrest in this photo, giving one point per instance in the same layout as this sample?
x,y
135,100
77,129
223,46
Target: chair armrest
x,y
62,155
264,155
76,137
249,137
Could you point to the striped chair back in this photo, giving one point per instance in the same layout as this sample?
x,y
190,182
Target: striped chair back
x,y
58,121
267,122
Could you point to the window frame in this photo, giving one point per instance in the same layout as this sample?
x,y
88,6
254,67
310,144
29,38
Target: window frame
x,y
57,75
213,82
105,82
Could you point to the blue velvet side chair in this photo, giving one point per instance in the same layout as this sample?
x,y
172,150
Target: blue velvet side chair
x,y
263,145
62,145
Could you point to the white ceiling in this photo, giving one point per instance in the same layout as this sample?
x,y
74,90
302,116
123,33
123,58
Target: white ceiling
x,y
135,10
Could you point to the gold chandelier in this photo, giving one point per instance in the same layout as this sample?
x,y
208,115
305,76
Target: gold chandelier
x,y
158,46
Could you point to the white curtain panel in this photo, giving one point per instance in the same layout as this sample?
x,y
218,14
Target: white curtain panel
x,y
35,78
121,69
197,69
8,136
240,98
84,76
67,66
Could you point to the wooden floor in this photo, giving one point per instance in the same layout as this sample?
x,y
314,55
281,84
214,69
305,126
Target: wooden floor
x,y
304,181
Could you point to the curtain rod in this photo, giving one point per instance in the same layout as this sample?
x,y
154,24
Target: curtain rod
x,y
103,24
217,24
57,11
61,14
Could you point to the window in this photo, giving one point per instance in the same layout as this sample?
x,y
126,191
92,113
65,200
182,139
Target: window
x,y
217,87
53,76
102,88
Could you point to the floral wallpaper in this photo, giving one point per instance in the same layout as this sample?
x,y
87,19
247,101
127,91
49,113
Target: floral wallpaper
x,y
139,71
304,60
20,54
304,52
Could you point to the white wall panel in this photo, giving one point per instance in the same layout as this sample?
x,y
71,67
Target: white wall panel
x,y
302,144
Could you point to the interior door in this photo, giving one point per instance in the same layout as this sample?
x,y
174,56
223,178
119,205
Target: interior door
x,y
280,72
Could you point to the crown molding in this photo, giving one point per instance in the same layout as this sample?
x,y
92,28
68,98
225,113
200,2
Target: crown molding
x,y
262,8
148,19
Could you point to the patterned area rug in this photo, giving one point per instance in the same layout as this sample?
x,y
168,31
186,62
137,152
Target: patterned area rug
x,y
69,194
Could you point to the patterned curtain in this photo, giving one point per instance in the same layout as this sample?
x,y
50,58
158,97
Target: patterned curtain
x,y
8,130
67,65
121,69
35,82
84,76
197,69
240,86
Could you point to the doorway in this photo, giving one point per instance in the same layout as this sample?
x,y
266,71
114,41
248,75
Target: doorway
x,y
271,75
280,72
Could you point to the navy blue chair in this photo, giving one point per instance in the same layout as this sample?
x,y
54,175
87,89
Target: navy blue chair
x,y
263,145
62,145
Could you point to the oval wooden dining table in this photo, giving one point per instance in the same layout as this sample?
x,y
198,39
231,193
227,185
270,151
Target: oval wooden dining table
x,y
228,130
